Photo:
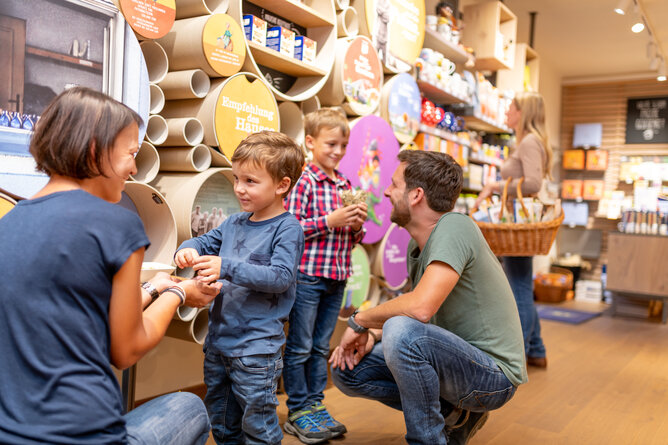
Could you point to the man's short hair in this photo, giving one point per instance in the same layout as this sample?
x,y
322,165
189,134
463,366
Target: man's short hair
x,y
325,118
275,152
77,130
436,173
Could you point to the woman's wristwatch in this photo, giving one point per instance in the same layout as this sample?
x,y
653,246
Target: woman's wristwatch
x,y
151,289
353,324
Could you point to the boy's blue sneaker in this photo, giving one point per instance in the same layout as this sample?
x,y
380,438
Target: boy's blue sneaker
x,y
306,427
325,419
470,424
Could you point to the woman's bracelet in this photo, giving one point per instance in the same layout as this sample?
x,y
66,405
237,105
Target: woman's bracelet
x,y
178,291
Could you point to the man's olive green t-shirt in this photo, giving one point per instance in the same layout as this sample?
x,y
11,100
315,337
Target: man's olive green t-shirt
x,y
481,308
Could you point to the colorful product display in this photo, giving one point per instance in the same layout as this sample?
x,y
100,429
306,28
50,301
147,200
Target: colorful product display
x,y
282,40
255,29
573,159
596,160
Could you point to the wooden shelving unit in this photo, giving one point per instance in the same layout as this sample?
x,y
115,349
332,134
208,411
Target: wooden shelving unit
x,y
295,11
491,29
443,135
65,58
438,95
482,123
435,41
513,79
280,62
482,161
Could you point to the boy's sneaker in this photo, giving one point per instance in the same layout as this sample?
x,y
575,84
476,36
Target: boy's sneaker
x,y
306,427
321,415
461,433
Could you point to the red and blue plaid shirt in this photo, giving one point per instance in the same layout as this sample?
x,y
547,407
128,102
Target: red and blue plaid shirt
x,y
326,251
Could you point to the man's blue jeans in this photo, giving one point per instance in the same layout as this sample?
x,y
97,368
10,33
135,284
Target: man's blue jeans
x,y
519,271
241,397
173,419
312,322
426,372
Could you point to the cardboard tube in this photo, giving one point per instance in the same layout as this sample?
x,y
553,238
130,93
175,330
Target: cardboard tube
x,y
156,60
341,4
181,190
218,159
156,129
185,313
347,23
185,159
193,8
158,220
183,131
156,99
200,325
310,105
292,121
148,163
187,84
332,93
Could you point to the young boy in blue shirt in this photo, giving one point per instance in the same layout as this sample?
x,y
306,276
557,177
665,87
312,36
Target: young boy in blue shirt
x,y
331,231
256,254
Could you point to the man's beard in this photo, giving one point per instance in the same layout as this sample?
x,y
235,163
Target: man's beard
x,y
400,216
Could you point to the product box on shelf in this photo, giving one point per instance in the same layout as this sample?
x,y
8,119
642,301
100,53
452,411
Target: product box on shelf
x,y
255,29
282,40
305,49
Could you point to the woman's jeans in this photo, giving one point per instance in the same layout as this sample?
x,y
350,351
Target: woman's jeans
x,y
312,322
426,372
519,271
173,419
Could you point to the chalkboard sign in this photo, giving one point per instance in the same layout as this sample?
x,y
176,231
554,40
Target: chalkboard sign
x,y
646,120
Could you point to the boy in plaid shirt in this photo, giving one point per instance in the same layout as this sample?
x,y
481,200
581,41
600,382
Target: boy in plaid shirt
x,y
330,232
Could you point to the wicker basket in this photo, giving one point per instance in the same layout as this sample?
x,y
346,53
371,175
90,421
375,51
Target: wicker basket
x,y
511,239
553,287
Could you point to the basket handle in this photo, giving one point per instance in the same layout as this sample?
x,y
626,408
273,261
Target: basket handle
x,y
504,197
519,195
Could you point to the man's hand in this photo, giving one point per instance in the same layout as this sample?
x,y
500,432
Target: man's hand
x,y
350,351
199,293
186,257
208,267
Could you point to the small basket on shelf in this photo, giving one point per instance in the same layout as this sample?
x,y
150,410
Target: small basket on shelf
x,y
520,239
553,287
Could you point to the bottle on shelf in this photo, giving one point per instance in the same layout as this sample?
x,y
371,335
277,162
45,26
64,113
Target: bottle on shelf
x,y
4,118
16,121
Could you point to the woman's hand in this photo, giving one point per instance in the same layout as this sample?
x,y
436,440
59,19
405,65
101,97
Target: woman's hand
x,y
199,293
486,192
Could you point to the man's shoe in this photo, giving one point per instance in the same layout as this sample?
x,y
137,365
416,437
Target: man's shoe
x,y
461,433
538,362
306,427
325,419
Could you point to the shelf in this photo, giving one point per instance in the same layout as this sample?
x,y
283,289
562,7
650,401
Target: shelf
x,y
295,11
280,62
438,95
443,135
15,141
481,123
435,41
87,64
490,161
491,28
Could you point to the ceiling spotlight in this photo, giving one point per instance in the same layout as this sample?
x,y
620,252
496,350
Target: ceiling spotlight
x,y
621,6
662,72
638,27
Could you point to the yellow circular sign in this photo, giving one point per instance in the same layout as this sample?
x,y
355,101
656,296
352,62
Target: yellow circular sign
x,y
396,28
245,105
151,19
223,43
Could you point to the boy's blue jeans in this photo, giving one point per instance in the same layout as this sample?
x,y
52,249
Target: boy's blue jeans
x,y
312,322
241,397
519,271
426,372
173,419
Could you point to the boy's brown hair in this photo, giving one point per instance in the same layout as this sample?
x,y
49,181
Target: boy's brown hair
x,y
325,118
275,152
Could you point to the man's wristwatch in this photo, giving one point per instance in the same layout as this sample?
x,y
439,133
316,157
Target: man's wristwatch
x,y
353,324
152,291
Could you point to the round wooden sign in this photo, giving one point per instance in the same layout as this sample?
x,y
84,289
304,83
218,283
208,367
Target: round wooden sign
x,y
223,43
362,77
245,105
150,19
390,261
357,286
369,163
401,105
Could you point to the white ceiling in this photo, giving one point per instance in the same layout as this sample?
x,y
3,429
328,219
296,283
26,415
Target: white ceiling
x,y
586,38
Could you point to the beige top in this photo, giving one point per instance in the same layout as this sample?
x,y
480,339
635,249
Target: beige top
x,y
527,160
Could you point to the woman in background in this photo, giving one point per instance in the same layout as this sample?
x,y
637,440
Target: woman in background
x,y
532,160
71,299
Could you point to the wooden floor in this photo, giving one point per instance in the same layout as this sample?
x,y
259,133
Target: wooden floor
x,y
607,383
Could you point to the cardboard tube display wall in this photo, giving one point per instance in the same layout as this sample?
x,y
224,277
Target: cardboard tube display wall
x,y
347,24
356,79
213,43
156,60
396,28
194,8
156,99
400,105
185,159
310,105
148,163
194,330
234,108
186,84
156,129
200,201
292,121
149,19
183,131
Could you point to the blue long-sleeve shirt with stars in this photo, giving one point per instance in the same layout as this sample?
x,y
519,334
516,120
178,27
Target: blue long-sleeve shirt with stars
x,y
259,267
